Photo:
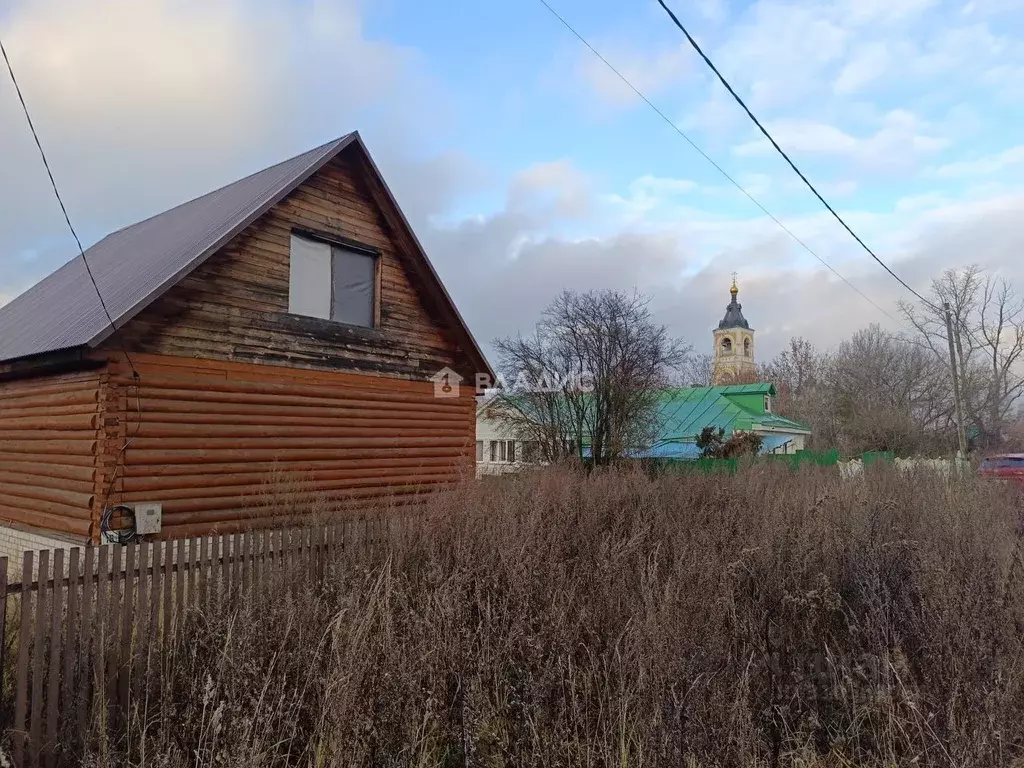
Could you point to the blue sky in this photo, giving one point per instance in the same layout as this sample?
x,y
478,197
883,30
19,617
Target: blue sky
x,y
525,166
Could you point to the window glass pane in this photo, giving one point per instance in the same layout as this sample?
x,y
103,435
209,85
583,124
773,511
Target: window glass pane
x,y
353,276
511,450
309,278
494,450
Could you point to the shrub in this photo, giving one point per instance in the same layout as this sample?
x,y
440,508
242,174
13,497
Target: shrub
x,y
713,444
563,619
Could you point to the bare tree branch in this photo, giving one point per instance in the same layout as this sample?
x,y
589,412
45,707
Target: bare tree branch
x,y
608,339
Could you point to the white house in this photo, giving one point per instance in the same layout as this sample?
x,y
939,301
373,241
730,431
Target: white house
x,y
497,449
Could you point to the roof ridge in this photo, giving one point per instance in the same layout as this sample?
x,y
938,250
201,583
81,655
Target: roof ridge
x,y
221,188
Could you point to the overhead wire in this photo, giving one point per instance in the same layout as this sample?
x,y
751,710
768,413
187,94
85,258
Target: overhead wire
x,y
707,157
99,294
785,156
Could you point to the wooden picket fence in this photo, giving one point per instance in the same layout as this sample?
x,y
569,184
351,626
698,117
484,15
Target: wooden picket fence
x,y
81,625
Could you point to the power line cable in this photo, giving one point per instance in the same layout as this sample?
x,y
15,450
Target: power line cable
x,y
806,181
707,157
785,156
49,173
81,252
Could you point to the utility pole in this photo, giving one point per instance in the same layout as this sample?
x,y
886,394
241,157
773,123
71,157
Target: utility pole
x,y
961,428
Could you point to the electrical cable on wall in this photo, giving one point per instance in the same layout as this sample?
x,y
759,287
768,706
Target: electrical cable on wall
x,y
123,535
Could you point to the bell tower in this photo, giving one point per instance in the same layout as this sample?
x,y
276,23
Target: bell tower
x,y
734,344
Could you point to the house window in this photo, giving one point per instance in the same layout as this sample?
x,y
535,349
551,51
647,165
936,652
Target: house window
x,y
767,404
479,450
332,282
503,451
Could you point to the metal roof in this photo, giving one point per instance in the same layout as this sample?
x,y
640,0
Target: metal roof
x,y
682,413
685,412
734,312
137,264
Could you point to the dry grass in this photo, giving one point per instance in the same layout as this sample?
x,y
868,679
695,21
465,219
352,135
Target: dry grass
x,y
771,618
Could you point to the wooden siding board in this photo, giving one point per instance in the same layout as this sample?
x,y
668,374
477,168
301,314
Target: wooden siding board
x,y
234,307
307,442
48,439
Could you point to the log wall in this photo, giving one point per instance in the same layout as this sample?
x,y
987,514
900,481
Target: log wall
x,y
225,446
235,306
49,432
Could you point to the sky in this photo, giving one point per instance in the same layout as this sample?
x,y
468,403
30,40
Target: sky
x,y
525,166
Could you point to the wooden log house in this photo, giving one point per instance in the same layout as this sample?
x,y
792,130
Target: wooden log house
x,y
274,351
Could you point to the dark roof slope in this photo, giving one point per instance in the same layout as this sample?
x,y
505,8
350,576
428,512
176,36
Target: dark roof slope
x,y
137,264
734,312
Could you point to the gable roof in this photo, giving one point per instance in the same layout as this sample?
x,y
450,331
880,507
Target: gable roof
x,y
683,413
136,265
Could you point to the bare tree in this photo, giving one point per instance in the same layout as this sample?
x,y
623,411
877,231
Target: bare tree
x,y
887,394
989,316
698,371
799,375
590,373
795,372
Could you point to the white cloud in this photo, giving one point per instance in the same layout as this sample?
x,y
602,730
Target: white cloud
x,y
897,144
683,261
925,200
866,65
658,186
982,166
885,12
648,71
715,11
557,184
957,51
802,136
778,49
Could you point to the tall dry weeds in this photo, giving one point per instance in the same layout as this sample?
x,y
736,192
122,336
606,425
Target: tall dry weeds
x,y
558,619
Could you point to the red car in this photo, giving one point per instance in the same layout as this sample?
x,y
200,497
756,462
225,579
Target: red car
x,y
1008,466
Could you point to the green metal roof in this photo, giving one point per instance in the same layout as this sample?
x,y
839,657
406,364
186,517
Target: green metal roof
x,y
763,388
683,413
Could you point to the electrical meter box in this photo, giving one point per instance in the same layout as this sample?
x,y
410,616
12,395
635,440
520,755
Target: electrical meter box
x,y
148,517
